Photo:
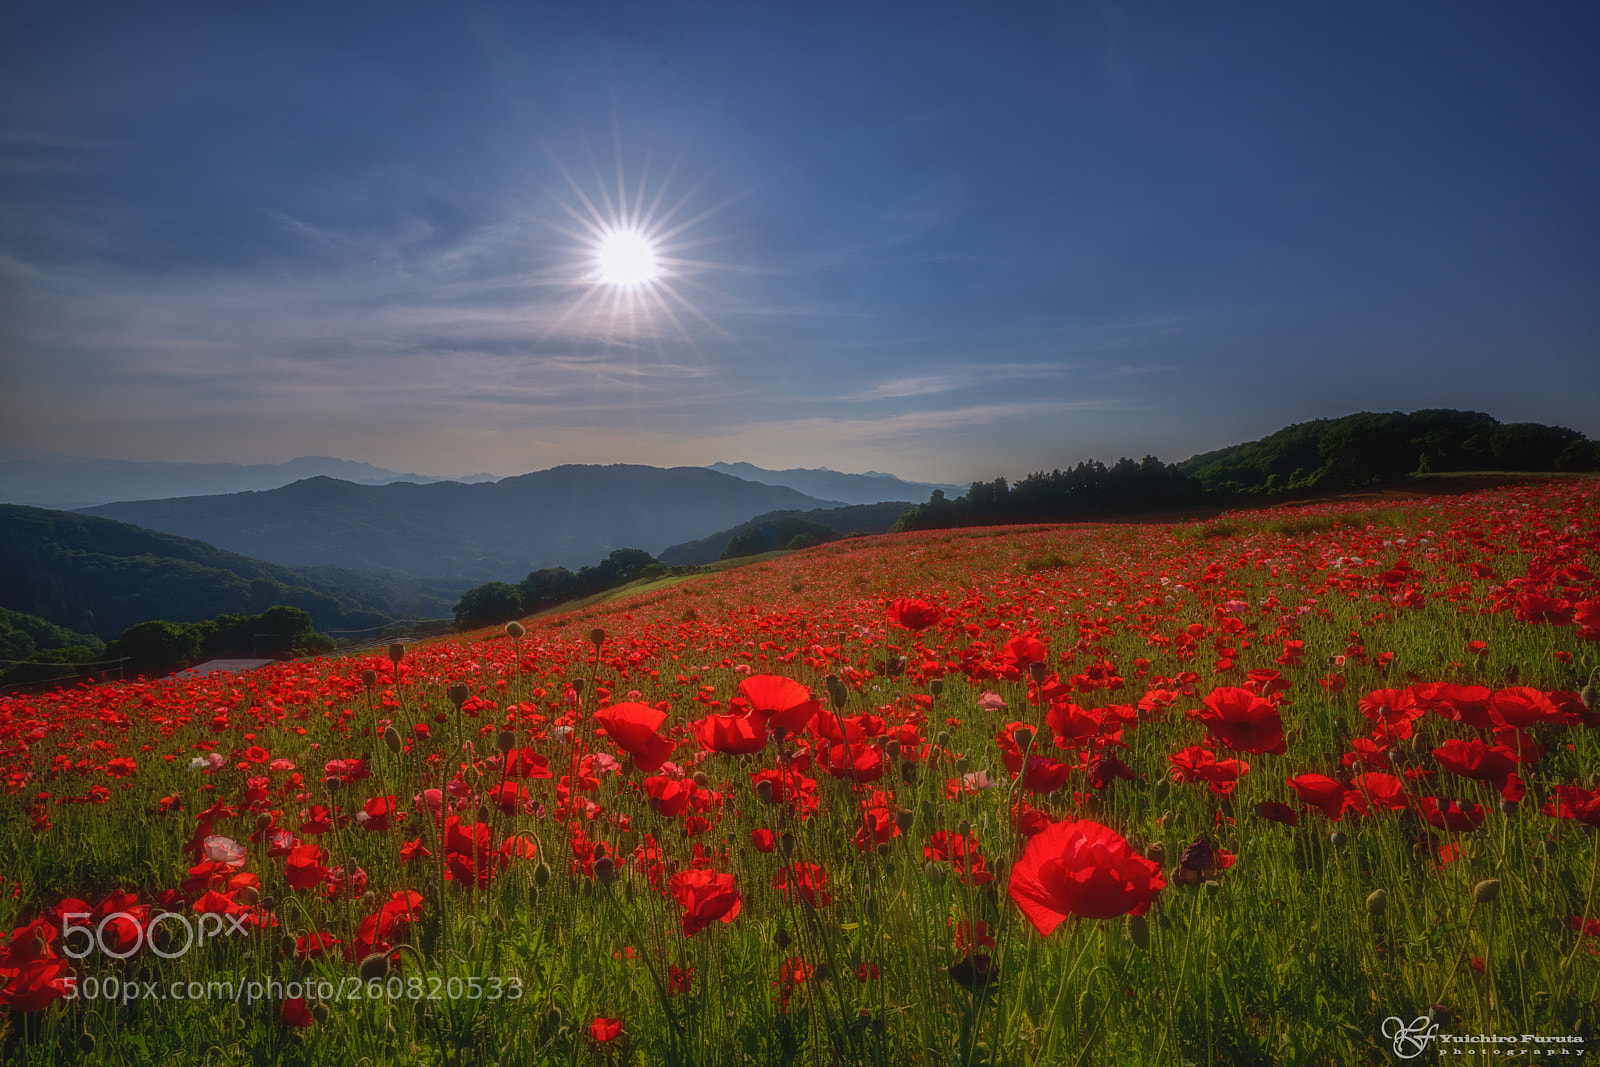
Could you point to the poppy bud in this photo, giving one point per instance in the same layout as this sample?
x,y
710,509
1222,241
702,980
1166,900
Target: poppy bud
x,y
936,686
904,819
934,872
396,650
1438,1013
483,813
908,773
1139,930
892,750
514,630
701,780
943,740
368,899
927,808
391,740
781,939
1587,695
597,637
838,693
86,1042
286,944
247,895
786,842
605,870
319,1012
1377,902
541,874
505,741
263,821
1159,791
457,694
268,903
1508,806
369,678
883,849
964,828
1338,838
1036,671
552,1018
374,967
1486,891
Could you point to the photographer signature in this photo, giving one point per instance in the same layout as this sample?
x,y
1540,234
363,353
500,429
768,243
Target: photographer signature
x,y
1409,1041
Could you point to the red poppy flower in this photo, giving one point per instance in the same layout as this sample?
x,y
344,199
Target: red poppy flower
x,y
780,701
1575,802
1457,816
1278,811
706,897
294,1011
805,880
733,734
1243,721
602,1029
1473,759
1321,792
914,614
633,727
1085,869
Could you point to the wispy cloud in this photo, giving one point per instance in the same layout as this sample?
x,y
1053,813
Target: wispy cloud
x,y
950,380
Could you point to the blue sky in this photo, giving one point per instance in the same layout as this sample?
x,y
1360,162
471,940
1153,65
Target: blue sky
x,y
950,241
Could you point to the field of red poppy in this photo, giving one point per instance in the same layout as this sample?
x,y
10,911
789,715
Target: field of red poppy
x,y
1302,785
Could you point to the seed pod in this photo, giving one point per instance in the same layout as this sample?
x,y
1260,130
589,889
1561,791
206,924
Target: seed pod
x,y
892,749
943,740
374,967
927,808
964,828
1139,930
936,686
396,650
1486,891
1338,838
369,678
883,849
1377,902
1036,671
764,791
1508,806
1156,853
458,694
605,870
701,780
597,637
368,899
963,765
515,630
904,819
1023,737
577,686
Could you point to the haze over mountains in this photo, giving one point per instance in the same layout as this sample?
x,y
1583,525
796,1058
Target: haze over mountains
x,y
54,480
568,516
872,487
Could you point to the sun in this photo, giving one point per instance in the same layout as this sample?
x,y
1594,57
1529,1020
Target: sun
x,y
627,259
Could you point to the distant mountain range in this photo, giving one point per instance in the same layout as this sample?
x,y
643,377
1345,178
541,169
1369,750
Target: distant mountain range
x,y
872,487
567,516
53,480
855,518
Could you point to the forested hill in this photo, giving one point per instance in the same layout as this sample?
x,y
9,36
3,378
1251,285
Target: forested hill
x,y
1352,452
98,576
1369,447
